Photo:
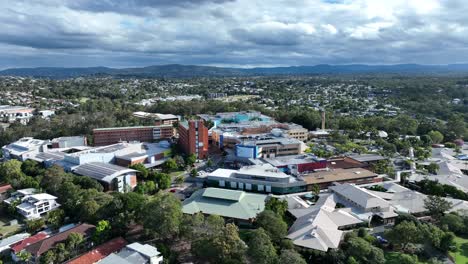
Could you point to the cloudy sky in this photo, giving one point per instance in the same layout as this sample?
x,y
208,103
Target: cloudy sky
x,y
244,33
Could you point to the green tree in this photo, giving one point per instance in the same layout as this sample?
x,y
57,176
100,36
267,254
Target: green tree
x,y
73,243
34,225
273,224
191,159
279,206
400,258
291,256
48,257
163,215
88,210
261,250
436,136
142,171
53,179
226,247
55,218
61,252
163,180
404,234
10,172
103,232
170,165
31,168
193,173
436,206
453,222
24,256
447,242
433,168
316,189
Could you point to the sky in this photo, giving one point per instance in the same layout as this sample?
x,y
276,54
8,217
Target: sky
x,y
234,33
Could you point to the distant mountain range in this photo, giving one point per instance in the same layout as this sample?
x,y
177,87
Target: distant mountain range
x,y
187,71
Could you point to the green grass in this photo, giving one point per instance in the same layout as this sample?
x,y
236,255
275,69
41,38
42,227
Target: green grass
x,y
389,256
176,173
6,228
461,255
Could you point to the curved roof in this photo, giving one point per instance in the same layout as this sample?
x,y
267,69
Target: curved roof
x,y
102,171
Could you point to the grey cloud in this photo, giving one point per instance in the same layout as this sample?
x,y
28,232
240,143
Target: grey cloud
x,y
139,7
223,32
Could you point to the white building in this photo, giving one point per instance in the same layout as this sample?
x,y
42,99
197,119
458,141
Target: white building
x,y
37,204
32,205
135,253
11,114
23,149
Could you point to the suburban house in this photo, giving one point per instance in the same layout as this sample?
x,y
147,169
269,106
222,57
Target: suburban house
x,y
236,205
4,189
40,247
100,252
19,246
36,205
6,243
134,253
31,204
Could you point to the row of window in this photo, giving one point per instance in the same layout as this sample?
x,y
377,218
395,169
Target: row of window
x,y
245,186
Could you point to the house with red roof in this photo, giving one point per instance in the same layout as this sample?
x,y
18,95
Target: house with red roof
x,y
42,246
19,246
100,252
4,188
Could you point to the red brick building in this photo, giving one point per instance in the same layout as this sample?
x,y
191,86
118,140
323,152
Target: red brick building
x,y
193,138
108,136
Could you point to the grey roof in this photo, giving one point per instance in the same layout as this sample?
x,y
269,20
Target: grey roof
x,y
134,253
359,196
50,155
13,239
318,225
146,250
226,203
114,259
101,171
367,157
293,159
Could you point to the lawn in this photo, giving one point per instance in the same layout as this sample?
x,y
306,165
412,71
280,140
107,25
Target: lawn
x,y
389,256
176,173
6,228
461,255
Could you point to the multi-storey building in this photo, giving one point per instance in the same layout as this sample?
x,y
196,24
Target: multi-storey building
x,y
107,136
158,119
24,148
262,178
269,147
11,114
193,138
32,205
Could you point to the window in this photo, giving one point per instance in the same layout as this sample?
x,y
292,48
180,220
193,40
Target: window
x,y
222,183
268,188
260,188
233,185
241,185
248,186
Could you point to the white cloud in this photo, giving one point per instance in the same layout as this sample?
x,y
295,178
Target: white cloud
x,y
225,32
